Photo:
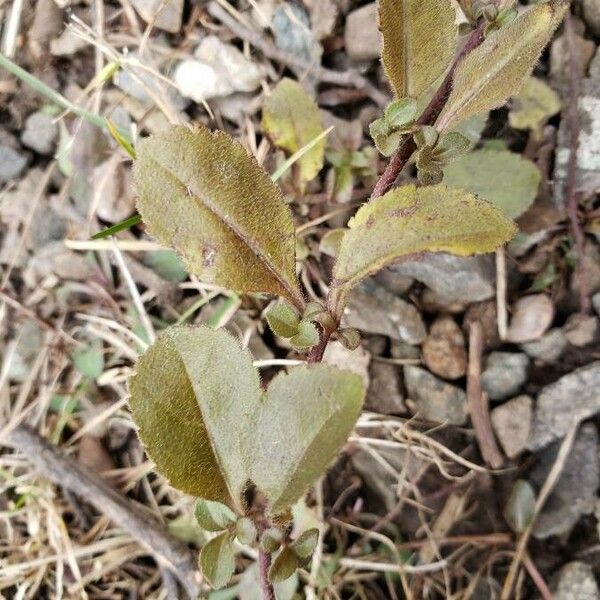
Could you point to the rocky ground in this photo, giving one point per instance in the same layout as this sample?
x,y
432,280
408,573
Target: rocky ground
x,y
437,478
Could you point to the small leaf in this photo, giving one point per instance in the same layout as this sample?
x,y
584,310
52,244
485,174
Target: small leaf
x,y
284,565
283,320
213,516
401,112
534,105
408,221
305,545
487,77
292,120
121,139
419,40
167,265
245,531
307,336
217,560
122,226
89,360
331,241
520,507
349,338
503,178
201,193
271,540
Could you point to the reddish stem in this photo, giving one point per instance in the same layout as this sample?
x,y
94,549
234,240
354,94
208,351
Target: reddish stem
x,y
429,116
266,588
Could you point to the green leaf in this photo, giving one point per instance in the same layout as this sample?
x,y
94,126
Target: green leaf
x,y
245,531
167,265
419,41
534,105
122,226
217,560
121,139
202,194
520,507
213,516
503,178
284,565
401,112
89,360
409,221
496,70
331,242
292,120
283,320
271,540
305,545
307,336
204,420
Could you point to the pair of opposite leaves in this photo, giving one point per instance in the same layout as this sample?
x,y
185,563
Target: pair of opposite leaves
x,y
213,432
414,59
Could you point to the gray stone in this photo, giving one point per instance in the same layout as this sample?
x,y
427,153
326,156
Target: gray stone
x,y
291,27
549,348
140,86
574,397
12,163
362,36
576,581
29,342
356,361
591,15
40,133
504,374
444,350
574,494
454,278
532,316
512,424
581,330
434,399
166,17
372,309
384,394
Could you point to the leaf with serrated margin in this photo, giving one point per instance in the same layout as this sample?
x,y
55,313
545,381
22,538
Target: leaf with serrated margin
x,y
292,120
419,41
201,193
188,397
488,76
409,221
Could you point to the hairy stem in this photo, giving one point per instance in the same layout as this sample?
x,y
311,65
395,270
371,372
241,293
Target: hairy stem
x,y
266,588
429,116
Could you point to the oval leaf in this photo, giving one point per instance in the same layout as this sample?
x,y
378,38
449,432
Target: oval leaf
x,y
292,120
283,320
305,545
217,560
488,76
188,398
284,565
213,516
201,193
313,408
245,531
408,221
419,41
520,507
533,105
503,178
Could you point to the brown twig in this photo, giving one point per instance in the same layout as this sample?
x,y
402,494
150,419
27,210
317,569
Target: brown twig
x,y
64,471
571,192
341,78
429,116
478,401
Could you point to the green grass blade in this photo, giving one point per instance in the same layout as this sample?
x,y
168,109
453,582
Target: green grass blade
x,y
122,226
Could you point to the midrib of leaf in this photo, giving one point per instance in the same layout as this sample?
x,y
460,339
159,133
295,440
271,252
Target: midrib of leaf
x,y
483,82
406,43
204,201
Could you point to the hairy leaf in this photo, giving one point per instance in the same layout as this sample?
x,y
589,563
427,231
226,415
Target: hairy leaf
x,y
533,105
210,429
409,221
246,531
284,565
217,560
292,120
201,193
213,516
497,69
419,40
307,336
305,545
283,320
500,177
